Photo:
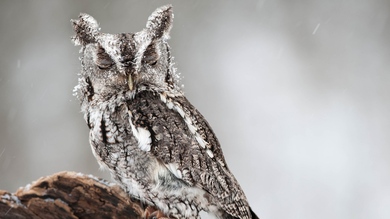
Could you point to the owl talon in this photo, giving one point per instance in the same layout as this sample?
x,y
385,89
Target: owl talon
x,y
153,213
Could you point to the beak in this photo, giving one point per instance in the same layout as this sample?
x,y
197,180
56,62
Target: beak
x,y
130,82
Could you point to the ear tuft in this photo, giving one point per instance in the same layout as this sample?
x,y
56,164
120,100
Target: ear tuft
x,y
86,29
160,22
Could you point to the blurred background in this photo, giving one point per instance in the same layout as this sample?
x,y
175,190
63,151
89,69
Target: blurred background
x,y
296,90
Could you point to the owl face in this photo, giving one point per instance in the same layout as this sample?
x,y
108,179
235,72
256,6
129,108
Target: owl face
x,y
113,63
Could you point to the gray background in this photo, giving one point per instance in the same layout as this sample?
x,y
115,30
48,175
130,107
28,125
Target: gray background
x,y
296,90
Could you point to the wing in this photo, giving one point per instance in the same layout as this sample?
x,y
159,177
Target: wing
x,y
182,139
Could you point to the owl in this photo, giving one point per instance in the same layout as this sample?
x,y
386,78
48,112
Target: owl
x,y
153,141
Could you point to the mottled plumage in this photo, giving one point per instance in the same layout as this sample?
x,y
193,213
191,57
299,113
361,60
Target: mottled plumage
x,y
143,129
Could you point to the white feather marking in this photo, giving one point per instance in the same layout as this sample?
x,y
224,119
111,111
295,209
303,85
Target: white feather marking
x,y
163,98
185,172
115,155
119,138
110,137
210,153
187,120
200,140
170,105
179,110
142,135
173,167
144,139
221,162
111,140
192,128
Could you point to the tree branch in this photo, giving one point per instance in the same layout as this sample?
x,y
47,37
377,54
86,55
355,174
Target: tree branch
x,y
70,195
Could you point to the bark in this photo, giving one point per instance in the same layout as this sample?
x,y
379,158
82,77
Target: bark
x,y
69,195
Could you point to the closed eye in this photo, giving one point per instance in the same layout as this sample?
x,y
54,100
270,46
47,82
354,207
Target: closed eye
x,y
151,55
153,63
104,63
150,59
103,60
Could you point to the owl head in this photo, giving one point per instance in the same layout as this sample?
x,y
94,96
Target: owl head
x,y
125,62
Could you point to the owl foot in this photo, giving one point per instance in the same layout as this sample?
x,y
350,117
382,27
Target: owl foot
x,y
153,213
